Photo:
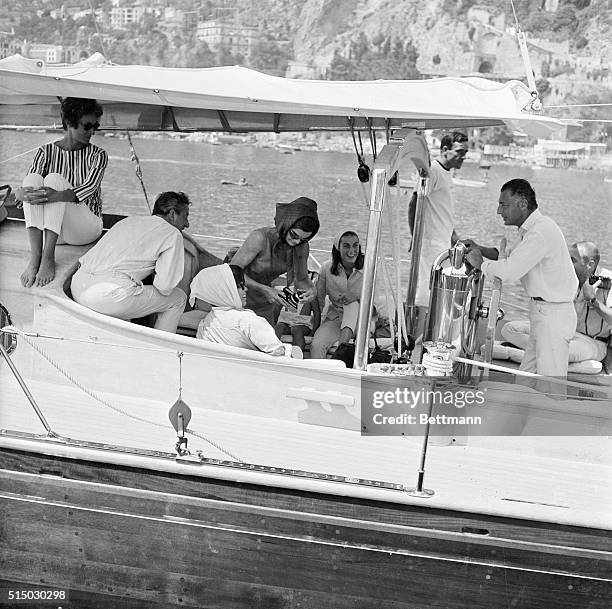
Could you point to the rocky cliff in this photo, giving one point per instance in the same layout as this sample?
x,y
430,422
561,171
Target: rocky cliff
x,y
442,28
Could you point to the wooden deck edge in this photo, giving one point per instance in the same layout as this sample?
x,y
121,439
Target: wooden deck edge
x,y
277,479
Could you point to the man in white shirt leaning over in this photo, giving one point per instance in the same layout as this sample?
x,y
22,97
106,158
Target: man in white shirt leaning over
x,y
110,277
542,263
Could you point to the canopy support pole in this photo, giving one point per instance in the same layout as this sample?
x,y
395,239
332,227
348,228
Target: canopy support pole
x,y
415,254
384,168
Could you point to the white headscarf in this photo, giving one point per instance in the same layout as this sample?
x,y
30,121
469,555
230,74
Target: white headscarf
x,y
216,285
347,231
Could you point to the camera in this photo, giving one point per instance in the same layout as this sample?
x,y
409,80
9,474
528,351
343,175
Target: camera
x,y
290,297
606,282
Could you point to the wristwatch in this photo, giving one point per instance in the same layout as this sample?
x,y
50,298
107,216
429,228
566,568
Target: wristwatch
x,y
592,301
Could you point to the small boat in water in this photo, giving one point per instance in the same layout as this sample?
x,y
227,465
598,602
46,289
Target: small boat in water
x,y
270,488
241,182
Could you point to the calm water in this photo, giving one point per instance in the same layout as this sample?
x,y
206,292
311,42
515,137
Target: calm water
x,y
579,201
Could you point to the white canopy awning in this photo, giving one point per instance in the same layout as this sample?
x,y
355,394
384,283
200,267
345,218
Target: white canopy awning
x,y
239,99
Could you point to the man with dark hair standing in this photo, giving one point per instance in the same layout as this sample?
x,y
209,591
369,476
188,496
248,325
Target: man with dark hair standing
x,y
542,263
110,278
438,214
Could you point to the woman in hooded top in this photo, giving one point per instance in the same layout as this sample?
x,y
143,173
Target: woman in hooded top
x,y
269,252
228,323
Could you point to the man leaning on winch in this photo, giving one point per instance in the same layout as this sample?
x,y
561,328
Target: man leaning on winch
x,y
110,279
542,262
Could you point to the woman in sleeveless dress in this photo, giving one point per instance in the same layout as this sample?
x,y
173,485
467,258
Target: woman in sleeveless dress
x,y
269,252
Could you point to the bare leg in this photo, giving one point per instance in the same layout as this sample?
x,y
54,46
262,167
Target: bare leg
x,y
195,261
35,237
281,329
190,269
298,333
46,270
345,335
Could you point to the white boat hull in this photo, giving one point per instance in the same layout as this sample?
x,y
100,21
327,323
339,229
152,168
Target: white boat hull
x,y
113,382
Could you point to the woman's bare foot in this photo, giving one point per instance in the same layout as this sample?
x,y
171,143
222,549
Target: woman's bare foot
x,y
28,277
46,272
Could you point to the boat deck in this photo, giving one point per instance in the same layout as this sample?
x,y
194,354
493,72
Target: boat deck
x,y
477,477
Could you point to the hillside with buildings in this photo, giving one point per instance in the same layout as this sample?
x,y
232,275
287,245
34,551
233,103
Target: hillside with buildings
x,y
568,40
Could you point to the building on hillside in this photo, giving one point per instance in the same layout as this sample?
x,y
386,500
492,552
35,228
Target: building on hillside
x,y
122,16
237,38
190,20
51,53
174,17
551,6
482,14
585,63
553,153
9,45
74,12
491,49
510,62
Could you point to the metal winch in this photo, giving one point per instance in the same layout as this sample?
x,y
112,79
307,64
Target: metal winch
x,y
455,302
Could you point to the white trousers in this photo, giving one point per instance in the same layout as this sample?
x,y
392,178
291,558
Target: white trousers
x,y
117,295
75,223
552,327
581,348
329,331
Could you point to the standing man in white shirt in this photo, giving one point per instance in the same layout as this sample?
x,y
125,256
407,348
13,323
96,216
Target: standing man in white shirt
x,y
542,263
110,277
438,214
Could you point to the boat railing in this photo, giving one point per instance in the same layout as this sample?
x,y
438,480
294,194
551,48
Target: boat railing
x,y
540,378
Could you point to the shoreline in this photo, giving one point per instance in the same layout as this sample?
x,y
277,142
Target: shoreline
x,y
315,142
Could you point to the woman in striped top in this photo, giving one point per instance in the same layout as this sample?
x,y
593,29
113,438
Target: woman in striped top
x,y
61,193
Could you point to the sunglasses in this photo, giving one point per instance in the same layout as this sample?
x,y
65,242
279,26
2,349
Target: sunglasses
x,y
295,237
88,126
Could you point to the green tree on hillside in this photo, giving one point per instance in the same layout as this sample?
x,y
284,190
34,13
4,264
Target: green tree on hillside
x,y
198,55
269,56
379,59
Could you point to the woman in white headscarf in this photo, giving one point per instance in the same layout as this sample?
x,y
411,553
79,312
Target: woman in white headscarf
x,y
229,323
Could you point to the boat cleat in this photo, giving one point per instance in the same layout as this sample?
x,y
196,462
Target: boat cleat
x,y
184,455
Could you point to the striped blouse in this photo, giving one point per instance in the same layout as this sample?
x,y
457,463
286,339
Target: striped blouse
x,y
83,168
